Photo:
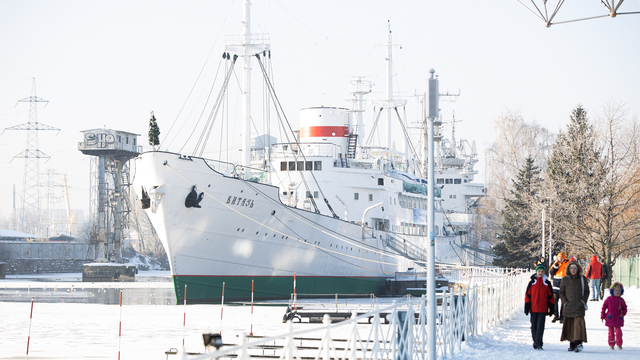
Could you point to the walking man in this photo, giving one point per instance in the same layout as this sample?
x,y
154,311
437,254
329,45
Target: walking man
x,y
594,274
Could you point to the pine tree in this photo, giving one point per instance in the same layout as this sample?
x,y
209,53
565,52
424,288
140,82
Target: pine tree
x,y
575,174
154,132
520,240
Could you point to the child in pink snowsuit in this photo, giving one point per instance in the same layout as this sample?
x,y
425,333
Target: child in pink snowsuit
x,y
613,311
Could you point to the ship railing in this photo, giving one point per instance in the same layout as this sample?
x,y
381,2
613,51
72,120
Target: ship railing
x,y
395,332
243,172
253,174
222,167
407,249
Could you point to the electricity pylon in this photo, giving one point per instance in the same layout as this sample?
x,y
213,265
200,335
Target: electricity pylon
x,y
31,213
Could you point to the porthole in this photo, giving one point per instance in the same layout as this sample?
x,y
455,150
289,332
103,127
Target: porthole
x,y
265,234
238,229
274,235
242,230
257,232
241,191
273,212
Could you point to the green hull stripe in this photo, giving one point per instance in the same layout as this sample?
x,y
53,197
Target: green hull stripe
x,y
208,289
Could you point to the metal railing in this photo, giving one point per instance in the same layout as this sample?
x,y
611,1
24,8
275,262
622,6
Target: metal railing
x,y
394,332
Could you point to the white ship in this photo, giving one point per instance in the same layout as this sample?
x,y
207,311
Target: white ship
x,y
322,212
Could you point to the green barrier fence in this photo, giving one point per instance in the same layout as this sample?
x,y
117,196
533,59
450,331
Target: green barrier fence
x,y
627,271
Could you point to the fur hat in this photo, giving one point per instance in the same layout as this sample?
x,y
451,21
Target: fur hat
x,y
613,286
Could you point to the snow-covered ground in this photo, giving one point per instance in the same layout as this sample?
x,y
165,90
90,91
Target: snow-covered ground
x,y
90,330
513,339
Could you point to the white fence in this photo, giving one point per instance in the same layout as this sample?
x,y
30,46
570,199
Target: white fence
x,y
398,331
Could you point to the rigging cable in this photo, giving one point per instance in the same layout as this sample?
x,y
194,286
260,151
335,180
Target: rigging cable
x,y
202,142
197,78
374,128
277,102
201,113
406,135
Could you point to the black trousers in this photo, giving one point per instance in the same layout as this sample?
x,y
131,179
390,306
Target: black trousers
x,y
557,308
537,327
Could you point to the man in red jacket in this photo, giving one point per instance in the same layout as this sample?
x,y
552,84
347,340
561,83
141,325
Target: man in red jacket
x,y
538,300
594,274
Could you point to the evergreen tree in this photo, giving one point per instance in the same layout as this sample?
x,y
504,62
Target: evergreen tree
x,y
520,240
575,173
154,132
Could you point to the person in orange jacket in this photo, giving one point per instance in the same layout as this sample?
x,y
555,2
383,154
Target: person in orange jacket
x,y
538,300
594,274
557,272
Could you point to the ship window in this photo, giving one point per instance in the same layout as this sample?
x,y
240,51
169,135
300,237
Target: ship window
x,y
292,166
134,141
315,194
454,196
394,202
119,138
356,196
370,197
308,194
440,181
300,165
283,166
381,181
457,181
317,165
448,181
126,137
308,165
466,181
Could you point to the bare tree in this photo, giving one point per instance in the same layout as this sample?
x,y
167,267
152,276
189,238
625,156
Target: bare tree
x,y
516,141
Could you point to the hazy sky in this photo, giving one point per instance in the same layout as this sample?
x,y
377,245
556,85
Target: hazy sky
x,y
108,63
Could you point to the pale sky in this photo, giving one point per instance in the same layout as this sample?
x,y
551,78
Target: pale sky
x,y
108,63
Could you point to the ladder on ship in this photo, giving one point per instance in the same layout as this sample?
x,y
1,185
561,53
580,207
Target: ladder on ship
x,y
351,148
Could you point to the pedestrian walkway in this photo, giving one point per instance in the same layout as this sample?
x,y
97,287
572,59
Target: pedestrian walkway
x,y
513,339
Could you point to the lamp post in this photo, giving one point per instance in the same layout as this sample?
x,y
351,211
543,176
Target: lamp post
x,y
431,250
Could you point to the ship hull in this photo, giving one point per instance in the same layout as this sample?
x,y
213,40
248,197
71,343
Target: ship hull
x,y
241,232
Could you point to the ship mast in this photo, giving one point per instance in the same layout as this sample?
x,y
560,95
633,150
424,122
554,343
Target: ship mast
x,y
389,84
248,46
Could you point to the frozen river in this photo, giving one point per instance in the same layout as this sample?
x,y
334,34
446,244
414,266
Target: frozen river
x,y
76,320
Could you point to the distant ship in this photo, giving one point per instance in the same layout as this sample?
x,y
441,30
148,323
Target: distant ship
x,y
323,210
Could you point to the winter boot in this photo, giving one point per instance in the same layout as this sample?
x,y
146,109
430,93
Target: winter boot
x,y
611,347
619,347
579,348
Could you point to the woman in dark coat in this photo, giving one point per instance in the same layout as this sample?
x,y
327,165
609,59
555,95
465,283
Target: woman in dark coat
x,y
574,292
